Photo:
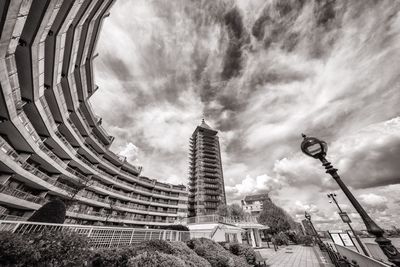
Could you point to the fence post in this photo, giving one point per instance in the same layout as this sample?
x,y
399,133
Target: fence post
x,y
130,241
16,227
112,237
90,232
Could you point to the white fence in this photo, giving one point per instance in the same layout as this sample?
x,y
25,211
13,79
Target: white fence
x,y
100,236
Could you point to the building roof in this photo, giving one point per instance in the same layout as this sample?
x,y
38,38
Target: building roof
x,y
205,125
211,226
258,197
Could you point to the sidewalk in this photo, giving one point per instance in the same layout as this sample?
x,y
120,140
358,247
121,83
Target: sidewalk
x,y
295,256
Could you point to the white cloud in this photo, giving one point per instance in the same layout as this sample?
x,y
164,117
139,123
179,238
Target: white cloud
x,y
337,83
250,185
131,152
374,202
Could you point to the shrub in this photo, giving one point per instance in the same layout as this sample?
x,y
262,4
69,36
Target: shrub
x,y
60,248
43,249
153,259
177,249
215,254
15,250
188,256
51,212
113,257
244,251
154,245
306,240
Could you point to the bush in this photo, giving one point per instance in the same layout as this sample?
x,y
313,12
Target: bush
x,y
51,212
43,249
244,251
306,240
60,248
155,259
215,254
15,250
112,257
188,256
177,249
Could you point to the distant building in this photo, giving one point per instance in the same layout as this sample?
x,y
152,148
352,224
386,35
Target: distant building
x,y
206,180
226,229
254,203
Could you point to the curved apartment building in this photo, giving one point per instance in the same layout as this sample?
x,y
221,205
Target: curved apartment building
x,y
51,142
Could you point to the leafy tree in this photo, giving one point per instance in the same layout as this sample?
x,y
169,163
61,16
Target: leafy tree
x,y
275,218
223,210
233,210
236,211
52,212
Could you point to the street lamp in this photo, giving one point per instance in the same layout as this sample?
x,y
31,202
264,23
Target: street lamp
x,y
320,243
347,220
317,149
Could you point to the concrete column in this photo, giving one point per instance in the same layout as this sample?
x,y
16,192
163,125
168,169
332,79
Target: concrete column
x,y
258,237
252,238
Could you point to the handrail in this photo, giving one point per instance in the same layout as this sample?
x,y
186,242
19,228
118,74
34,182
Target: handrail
x,y
21,194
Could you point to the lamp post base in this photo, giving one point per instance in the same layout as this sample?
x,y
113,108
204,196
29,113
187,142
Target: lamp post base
x,y
390,251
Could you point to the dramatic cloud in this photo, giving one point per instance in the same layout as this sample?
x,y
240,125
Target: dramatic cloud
x,y
262,72
374,202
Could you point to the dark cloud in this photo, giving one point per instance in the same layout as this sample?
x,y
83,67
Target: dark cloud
x,y
262,73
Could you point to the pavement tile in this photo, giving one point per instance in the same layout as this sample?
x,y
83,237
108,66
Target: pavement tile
x,y
294,256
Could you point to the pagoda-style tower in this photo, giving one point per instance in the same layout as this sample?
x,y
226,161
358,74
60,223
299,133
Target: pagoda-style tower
x,y
206,180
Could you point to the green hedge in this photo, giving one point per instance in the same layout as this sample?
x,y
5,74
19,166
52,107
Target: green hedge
x,y
215,254
156,259
59,248
122,256
44,249
244,251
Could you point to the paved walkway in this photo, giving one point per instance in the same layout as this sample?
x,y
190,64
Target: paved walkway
x,y
295,256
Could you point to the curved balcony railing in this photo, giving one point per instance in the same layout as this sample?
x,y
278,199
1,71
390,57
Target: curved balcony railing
x,y
21,194
35,171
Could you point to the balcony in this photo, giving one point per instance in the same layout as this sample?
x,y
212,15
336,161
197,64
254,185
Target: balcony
x,y
21,195
65,142
52,155
33,170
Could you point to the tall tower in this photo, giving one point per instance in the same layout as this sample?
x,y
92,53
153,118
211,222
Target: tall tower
x,y
206,180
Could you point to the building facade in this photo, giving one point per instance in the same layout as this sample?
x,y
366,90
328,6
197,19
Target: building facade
x,y
51,142
254,203
206,180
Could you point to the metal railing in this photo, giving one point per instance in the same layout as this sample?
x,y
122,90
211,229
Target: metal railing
x,y
221,219
21,194
102,237
345,257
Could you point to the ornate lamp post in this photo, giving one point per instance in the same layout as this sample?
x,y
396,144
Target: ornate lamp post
x,y
316,148
347,220
320,243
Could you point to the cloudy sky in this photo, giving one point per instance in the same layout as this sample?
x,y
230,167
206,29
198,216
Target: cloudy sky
x,y
261,72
